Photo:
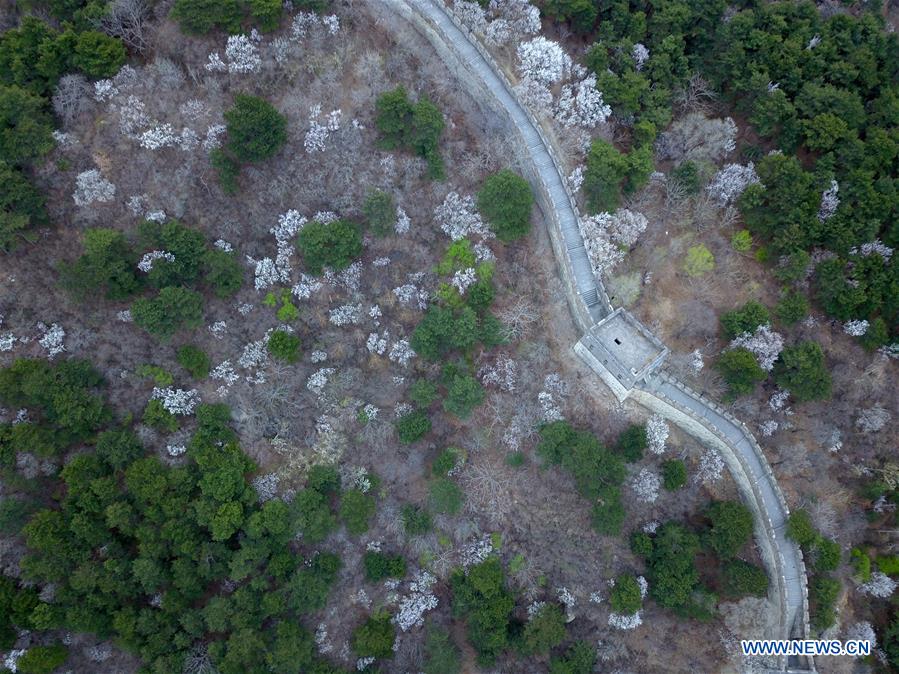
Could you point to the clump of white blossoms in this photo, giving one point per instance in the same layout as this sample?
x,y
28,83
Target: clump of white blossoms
x,y
146,262
607,235
349,278
463,278
471,15
213,137
266,486
768,428
625,622
482,252
224,372
265,272
402,221
855,328
132,116
731,181
696,362
568,601
91,187
640,54
862,631
177,401
872,419
711,465
318,380
880,585
576,179
98,652
175,450
512,19
318,133
322,642
503,374
419,601
52,339
289,224
543,61
375,313
7,341
646,485
306,286
657,433
377,343
12,658
241,56
601,251
876,247
554,389
830,201
475,552
332,23
626,226
255,354
778,400
218,329
348,314
764,344
158,137
459,219
318,356
410,293
581,104
401,352
104,90
357,476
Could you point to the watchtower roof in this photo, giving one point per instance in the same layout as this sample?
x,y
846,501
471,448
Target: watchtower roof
x,y
625,347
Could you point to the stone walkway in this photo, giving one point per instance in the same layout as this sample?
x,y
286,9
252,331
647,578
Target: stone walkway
x,y
792,566
767,499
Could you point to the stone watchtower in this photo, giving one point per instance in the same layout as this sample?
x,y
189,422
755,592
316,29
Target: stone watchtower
x,y
622,351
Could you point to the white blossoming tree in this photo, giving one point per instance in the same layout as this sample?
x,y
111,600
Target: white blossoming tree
x,y
731,181
91,187
764,343
645,485
657,433
459,219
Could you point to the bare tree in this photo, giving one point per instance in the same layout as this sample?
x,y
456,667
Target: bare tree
x,y
696,96
517,318
129,20
490,489
72,97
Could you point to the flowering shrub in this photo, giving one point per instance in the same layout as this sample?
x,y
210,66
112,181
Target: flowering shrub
x,y
581,104
318,133
543,61
52,339
765,344
419,601
646,485
830,201
731,181
177,401
656,433
146,262
92,187
711,466
459,219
